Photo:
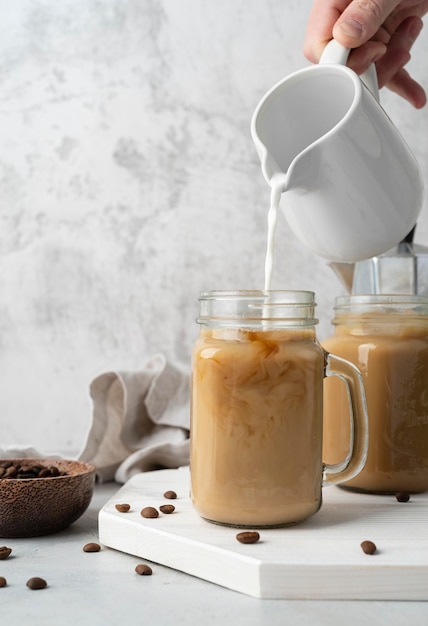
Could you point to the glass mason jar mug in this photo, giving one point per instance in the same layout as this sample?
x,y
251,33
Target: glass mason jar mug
x,y
256,410
386,337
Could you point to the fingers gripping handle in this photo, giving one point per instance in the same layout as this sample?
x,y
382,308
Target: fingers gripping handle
x,y
358,445
337,54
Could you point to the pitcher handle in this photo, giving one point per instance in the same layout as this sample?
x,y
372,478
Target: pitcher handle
x,y
337,54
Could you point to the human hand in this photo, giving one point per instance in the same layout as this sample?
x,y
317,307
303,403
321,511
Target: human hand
x,y
378,31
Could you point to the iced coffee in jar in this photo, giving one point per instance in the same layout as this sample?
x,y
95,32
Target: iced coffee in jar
x,y
386,337
256,410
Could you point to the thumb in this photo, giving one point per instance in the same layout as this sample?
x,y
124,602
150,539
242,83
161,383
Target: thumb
x,y
361,20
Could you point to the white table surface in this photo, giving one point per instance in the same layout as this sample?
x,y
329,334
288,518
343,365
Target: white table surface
x,y
320,559
102,589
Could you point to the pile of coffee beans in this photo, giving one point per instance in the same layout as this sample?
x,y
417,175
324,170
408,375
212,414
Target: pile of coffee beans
x,y
13,469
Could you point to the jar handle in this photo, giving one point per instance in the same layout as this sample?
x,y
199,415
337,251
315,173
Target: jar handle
x,y
358,444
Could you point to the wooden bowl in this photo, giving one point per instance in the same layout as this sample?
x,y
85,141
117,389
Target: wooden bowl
x,y
30,507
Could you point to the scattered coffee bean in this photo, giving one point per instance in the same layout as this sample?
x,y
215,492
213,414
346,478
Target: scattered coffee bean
x,y
92,547
4,552
170,495
123,508
37,583
149,512
402,496
368,547
3,581
167,508
10,469
143,570
248,537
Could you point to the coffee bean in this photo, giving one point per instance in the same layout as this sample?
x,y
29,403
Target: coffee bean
x,y
248,537
92,547
167,508
3,581
11,472
4,552
149,512
170,495
37,583
368,547
402,496
143,570
9,469
123,508
44,473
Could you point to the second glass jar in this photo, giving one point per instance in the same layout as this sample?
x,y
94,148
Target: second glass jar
x,y
386,337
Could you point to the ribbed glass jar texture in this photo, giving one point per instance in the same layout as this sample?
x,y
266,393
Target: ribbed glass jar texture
x,y
256,415
386,337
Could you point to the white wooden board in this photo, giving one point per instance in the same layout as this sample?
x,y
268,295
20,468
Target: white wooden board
x,y
319,559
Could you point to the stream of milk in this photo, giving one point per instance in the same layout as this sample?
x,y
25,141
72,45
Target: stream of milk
x,y
277,186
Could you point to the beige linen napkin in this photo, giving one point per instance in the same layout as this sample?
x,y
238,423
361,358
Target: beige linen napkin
x,y
140,421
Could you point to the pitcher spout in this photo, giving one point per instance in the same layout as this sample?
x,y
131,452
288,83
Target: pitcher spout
x,y
272,172
345,273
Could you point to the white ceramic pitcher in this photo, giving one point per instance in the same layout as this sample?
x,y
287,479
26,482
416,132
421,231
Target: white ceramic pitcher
x,y
353,189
